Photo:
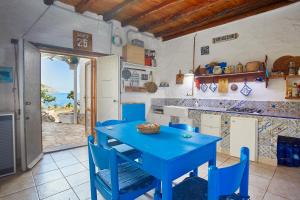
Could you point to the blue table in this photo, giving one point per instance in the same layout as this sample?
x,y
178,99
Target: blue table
x,y
167,155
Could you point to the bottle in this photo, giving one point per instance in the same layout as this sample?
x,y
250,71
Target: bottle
x,y
295,90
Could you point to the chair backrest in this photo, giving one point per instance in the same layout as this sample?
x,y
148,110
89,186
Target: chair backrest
x,y
109,122
184,127
99,154
133,112
226,181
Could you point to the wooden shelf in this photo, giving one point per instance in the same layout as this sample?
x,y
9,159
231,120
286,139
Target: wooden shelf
x,y
292,76
297,98
135,89
137,66
236,77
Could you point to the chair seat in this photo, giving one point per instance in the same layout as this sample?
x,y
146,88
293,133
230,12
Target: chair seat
x,y
113,142
195,188
131,177
125,149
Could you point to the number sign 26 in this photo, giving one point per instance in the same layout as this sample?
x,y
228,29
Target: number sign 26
x,y
82,41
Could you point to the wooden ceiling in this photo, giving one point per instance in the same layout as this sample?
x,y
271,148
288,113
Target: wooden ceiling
x,y
173,18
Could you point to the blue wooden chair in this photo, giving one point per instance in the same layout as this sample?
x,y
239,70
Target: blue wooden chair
x,y
122,148
184,127
221,185
117,180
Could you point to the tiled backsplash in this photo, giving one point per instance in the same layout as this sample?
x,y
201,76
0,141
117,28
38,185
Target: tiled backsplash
x,y
273,108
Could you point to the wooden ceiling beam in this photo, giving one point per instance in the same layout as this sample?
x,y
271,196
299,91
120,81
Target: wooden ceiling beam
x,y
147,12
178,15
223,17
116,10
83,6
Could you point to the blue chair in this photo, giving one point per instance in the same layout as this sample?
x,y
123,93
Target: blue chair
x,y
221,185
114,179
184,127
122,148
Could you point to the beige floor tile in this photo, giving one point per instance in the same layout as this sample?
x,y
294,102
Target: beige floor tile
x,y
285,186
256,193
65,195
221,157
86,164
52,188
262,170
229,162
82,156
62,155
47,177
46,159
79,178
258,181
269,196
16,183
43,168
83,191
67,162
72,169
27,194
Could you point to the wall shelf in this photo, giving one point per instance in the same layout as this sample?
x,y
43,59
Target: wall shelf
x,y
236,77
137,66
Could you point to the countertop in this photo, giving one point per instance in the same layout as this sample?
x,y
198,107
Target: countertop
x,y
263,114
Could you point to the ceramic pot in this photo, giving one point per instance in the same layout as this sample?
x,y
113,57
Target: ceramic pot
x,y
239,68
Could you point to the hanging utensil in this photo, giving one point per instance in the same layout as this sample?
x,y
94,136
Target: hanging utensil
x,y
223,85
151,86
126,74
246,90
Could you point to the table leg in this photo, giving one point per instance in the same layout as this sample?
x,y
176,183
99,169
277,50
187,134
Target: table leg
x,y
166,190
213,160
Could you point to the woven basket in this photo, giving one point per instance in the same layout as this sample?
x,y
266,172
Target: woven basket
x,y
149,128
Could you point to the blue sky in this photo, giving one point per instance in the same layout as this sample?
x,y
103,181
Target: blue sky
x,y
56,74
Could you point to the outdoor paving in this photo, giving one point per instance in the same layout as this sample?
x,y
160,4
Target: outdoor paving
x,y
58,136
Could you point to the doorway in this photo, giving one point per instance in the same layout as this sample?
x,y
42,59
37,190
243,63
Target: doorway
x,y
63,99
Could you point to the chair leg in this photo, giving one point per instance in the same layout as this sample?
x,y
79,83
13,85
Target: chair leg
x,y
157,194
93,191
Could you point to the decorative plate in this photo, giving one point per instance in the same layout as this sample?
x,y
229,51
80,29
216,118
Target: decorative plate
x,y
213,87
246,90
203,87
234,87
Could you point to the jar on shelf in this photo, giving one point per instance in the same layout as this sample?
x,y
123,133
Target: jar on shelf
x,y
292,68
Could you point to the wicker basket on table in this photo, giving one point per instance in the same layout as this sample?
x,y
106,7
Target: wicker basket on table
x,y
149,128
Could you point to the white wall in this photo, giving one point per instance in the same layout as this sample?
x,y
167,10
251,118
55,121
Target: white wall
x,y
275,33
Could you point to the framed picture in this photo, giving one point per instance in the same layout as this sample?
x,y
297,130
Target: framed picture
x,y
6,74
82,41
205,50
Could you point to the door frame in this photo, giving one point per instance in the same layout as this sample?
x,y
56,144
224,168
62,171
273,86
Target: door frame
x,y
44,48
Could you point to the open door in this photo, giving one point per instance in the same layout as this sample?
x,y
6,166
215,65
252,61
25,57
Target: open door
x,y
32,104
108,88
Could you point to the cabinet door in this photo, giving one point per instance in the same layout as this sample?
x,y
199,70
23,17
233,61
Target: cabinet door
x,y
159,119
243,133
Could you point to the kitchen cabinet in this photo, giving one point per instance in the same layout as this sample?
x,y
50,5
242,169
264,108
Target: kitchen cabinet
x,y
211,125
243,132
159,118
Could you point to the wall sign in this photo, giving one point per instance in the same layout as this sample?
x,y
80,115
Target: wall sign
x,y
82,41
205,50
6,74
225,38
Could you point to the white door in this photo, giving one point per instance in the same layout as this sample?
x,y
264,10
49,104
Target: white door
x,y
32,104
108,88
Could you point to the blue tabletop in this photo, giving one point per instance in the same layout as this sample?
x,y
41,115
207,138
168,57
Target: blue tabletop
x,y
167,145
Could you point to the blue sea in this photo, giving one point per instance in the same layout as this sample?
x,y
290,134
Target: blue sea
x,y
61,99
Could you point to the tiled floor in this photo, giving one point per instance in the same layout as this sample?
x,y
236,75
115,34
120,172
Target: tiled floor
x,y
58,136
64,176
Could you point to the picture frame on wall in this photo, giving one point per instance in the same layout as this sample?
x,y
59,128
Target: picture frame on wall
x,y
6,74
